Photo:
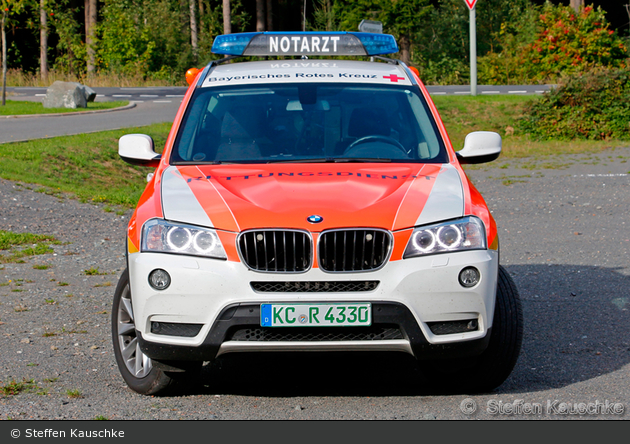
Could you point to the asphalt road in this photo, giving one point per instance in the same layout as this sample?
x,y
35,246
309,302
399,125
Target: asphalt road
x,y
161,94
166,94
43,126
152,105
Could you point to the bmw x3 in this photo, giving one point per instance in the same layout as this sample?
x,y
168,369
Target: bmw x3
x,y
312,205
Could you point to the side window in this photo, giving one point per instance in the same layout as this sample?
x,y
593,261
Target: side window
x,y
188,135
428,144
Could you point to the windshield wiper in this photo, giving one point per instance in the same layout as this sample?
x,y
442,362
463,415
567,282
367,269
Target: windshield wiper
x,y
200,162
334,160
318,160
362,159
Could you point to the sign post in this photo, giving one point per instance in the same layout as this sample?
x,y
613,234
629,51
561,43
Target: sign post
x,y
371,26
473,46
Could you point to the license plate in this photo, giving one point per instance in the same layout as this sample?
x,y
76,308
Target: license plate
x,y
316,315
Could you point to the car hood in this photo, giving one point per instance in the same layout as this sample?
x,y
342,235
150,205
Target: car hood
x,y
241,197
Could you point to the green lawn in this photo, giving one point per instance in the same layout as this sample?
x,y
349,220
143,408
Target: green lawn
x,y
17,108
465,114
85,165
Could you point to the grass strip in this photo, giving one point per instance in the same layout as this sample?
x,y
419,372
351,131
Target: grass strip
x,y
86,165
10,239
38,244
18,108
501,114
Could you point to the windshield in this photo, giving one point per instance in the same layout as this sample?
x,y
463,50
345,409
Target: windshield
x,y
308,123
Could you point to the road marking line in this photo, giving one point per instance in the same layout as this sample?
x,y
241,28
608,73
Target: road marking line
x,y
149,95
40,95
121,95
162,101
517,92
490,92
461,92
540,92
602,175
174,95
440,93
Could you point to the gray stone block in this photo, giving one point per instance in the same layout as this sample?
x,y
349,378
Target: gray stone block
x,y
68,95
89,93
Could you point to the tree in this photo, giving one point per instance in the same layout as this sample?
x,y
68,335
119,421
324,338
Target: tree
x,y
4,56
324,18
227,17
125,45
91,14
577,5
9,8
269,15
260,15
70,54
404,19
442,48
193,28
43,41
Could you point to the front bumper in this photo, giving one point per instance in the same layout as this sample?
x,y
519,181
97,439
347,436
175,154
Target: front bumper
x,y
234,318
218,296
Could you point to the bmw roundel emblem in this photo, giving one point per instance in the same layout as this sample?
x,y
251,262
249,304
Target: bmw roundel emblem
x,y
315,219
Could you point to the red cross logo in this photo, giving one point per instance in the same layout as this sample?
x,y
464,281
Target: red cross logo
x,y
393,78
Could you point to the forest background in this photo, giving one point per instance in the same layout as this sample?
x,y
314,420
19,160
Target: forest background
x,y
153,42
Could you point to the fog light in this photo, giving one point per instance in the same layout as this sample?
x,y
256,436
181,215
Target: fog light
x,y
469,277
159,279
472,325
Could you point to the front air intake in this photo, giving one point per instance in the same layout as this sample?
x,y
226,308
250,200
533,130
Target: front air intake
x,y
383,332
314,286
453,327
353,250
276,251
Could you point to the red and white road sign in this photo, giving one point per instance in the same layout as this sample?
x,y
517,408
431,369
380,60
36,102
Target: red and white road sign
x,y
470,3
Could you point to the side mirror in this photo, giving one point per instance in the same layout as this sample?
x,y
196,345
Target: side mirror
x,y
137,149
480,147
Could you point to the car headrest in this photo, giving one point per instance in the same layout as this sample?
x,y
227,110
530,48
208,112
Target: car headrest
x,y
368,121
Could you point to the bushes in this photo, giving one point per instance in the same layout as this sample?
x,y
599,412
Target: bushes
x,y
561,42
594,105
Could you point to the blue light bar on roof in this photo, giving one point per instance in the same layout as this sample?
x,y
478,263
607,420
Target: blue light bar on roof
x,y
232,44
304,43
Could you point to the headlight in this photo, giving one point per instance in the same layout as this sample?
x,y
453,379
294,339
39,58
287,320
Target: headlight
x,y
159,235
463,234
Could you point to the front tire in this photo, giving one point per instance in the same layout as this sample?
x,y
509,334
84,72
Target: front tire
x,y
489,370
136,368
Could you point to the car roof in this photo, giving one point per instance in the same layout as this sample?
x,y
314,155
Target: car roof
x,y
307,71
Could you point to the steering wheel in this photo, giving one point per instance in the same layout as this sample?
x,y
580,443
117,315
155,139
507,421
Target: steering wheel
x,y
376,137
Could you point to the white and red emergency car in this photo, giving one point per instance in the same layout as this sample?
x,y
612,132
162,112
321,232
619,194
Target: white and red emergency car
x,y
301,196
